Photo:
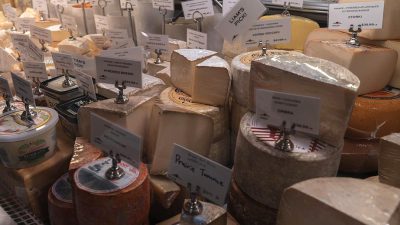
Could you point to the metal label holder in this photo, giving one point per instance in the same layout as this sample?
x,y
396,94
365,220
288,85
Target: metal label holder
x,y
286,7
264,48
115,172
42,43
102,4
354,41
28,115
198,21
67,82
129,9
194,206
284,143
37,91
8,107
60,10
84,16
121,98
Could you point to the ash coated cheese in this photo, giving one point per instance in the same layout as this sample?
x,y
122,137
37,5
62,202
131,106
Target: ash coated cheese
x,y
183,63
173,44
333,201
359,156
171,125
373,76
212,82
165,76
389,160
220,151
164,190
263,172
78,46
247,211
375,115
334,85
175,97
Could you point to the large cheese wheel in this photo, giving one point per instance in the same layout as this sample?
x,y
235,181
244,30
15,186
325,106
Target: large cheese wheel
x,y
61,208
263,172
99,201
175,97
389,160
247,211
359,156
375,115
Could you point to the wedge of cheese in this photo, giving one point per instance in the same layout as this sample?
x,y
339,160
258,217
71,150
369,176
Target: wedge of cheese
x,y
389,158
77,46
173,44
165,75
211,215
164,190
183,63
333,201
171,125
57,34
334,85
359,156
153,68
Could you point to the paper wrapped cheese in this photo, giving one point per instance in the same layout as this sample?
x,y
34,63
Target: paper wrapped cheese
x,y
389,160
333,201
334,85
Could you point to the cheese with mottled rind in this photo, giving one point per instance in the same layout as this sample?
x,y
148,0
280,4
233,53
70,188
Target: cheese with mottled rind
x,y
389,160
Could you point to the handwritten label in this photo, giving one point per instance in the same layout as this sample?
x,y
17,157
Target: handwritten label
x,y
24,24
228,5
271,31
109,136
156,42
85,82
5,87
367,14
41,7
197,9
276,107
62,61
212,178
293,3
23,88
196,39
164,4
35,70
41,33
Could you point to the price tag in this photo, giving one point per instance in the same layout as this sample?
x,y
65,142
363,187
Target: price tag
x,y
272,31
240,19
41,33
228,5
35,70
23,88
109,136
164,4
156,42
101,23
117,34
83,63
367,14
62,61
33,52
132,2
197,9
5,86
275,107
293,3
9,11
109,70
85,82
41,7
69,22
212,178
196,39
24,24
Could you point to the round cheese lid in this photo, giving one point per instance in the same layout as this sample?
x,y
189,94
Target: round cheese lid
x,y
12,128
62,189
91,177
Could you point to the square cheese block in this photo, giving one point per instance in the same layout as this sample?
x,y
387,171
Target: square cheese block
x,y
165,75
173,44
391,23
389,160
212,82
373,65
77,46
171,125
57,34
183,63
153,68
334,201
334,85
164,190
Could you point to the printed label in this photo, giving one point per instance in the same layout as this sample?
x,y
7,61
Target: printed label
x,y
35,70
117,34
197,9
9,11
41,33
164,4
69,22
62,189
101,23
132,2
23,88
196,39
228,5
41,7
272,31
62,61
156,42
24,24
135,54
85,82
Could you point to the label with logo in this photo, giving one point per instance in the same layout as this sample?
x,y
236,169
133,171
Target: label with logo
x,y
62,189
272,31
195,39
197,9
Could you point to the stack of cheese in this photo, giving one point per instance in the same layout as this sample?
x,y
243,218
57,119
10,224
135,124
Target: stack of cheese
x,y
261,172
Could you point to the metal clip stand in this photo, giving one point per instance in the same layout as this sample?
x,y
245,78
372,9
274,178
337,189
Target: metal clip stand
x,y
286,7
194,206
102,4
67,82
84,17
264,48
163,12
37,91
115,172
199,20
41,14
8,107
354,42
284,143
121,98
129,8
71,35
42,42
60,10
18,56
158,59
28,115
13,28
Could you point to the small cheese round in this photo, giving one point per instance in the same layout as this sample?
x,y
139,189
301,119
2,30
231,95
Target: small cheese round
x,y
359,156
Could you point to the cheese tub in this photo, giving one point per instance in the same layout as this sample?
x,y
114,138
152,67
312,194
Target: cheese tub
x,y
21,146
55,92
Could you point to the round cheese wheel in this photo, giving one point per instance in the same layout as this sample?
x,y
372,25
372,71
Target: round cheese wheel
x,y
220,151
175,97
99,201
263,172
374,179
359,156
247,211
375,115
61,208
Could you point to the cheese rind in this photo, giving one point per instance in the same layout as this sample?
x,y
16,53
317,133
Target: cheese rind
x,y
164,190
334,85
389,160
359,156
220,151
332,201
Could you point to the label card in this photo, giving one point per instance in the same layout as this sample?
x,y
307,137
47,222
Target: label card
x,y
240,19
135,53
293,3
164,4
62,61
132,2
59,2
41,7
228,5
35,70
196,39
69,22
197,8
24,24
83,63
33,52
117,34
367,14
276,107
20,41
9,11
109,136
41,33
5,87
109,70
212,178
120,44
271,31
23,88
85,82
156,41
101,23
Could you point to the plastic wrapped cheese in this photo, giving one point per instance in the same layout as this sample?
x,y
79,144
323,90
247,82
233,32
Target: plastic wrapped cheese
x,y
389,160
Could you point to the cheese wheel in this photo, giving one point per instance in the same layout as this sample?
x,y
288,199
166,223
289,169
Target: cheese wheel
x,y
389,158
237,112
99,201
375,115
263,172
333,201
374,179
359,156
220,151
61,208
175,97
247,211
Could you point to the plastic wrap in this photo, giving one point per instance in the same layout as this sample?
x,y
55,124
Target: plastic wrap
x,y
84,152
389,160
333,201
359,156
334,85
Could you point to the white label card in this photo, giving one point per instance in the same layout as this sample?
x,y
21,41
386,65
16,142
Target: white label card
x,y
117,34
109,136
195,39
367,14
293,3
20,41
9,11
59,2
40,6
33,52
197,9
240,19
276,107
41,33
69,22
5,87
156,41
24,24
228,5
35,70
132,2
164,4
110,70
85,82
121,44
62,61
82,63
271,31
23,88
212,178
101,23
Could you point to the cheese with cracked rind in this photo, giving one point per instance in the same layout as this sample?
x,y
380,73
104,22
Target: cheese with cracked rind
x,y
389,160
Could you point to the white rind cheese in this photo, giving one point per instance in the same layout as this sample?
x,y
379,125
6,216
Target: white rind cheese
x,y
334,85
389,160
